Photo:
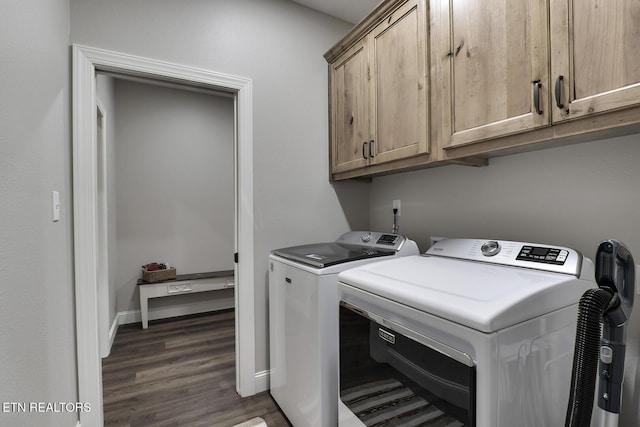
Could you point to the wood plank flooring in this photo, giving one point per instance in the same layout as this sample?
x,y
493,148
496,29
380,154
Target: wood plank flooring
x,y
179,372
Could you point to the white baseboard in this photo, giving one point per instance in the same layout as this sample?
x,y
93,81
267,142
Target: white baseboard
x,y
113,331
262,380
134,316
112,335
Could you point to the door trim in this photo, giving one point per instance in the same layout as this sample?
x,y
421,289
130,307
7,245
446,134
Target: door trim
x,y
103,232
86,61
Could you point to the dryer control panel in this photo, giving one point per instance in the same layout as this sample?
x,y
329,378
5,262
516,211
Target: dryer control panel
x,y
543,254
373,239
516,254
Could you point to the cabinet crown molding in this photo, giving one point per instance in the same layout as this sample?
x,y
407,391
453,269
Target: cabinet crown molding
x,y
363,27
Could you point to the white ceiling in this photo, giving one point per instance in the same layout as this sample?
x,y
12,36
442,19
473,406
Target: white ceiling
x,y
348,10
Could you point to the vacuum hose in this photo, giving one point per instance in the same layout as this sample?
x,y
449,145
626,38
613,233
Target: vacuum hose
x,y
602,356
585,358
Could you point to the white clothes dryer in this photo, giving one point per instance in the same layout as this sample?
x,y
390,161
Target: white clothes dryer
x,y
473,333
303,319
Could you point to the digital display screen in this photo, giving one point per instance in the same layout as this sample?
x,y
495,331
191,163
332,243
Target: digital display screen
x,y
387,239
539,251
544,255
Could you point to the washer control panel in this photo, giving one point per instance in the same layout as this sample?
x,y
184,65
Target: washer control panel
x,y
384,239
543,254
374,239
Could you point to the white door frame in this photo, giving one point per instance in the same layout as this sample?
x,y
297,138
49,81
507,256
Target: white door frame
x,y
104,304
86,61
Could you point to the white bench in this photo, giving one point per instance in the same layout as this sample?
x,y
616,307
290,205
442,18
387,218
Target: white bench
x,y
182,284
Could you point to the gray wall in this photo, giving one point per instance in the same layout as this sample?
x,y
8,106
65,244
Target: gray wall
x,y
279,45
572,196
174,183
37,337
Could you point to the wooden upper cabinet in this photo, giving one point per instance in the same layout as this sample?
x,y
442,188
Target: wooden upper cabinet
x,y
595,57
379,89
496,81
349,101
399,87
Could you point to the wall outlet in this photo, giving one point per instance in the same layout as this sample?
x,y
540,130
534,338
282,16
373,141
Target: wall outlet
x,y
397,204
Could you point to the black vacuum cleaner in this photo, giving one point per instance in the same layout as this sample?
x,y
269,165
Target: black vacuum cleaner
x,y
601,338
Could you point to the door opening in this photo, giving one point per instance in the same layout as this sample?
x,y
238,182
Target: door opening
x,y
87,231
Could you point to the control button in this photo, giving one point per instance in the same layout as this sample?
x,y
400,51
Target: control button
x,y
563,252
606,354
490,248
561,258
366,237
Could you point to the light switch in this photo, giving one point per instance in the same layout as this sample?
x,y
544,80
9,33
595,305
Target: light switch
x,y
56,206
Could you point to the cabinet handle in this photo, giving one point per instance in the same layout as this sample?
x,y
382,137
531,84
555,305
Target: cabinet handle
x,y
364,146
536,96
559,91
371,149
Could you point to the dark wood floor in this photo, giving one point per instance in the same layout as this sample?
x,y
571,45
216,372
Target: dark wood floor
x,y
179,372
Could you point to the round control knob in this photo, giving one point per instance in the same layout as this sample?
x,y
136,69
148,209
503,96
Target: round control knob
x,y
366,237
490,248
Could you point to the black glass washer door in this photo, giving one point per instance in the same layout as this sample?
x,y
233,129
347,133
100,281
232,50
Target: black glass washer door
x,y
387,379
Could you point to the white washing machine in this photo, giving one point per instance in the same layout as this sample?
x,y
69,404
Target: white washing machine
x,y
303,320
472,333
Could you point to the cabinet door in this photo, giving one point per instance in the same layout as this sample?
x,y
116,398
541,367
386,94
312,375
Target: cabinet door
x,y
595,50
399,92
350,133
499,59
